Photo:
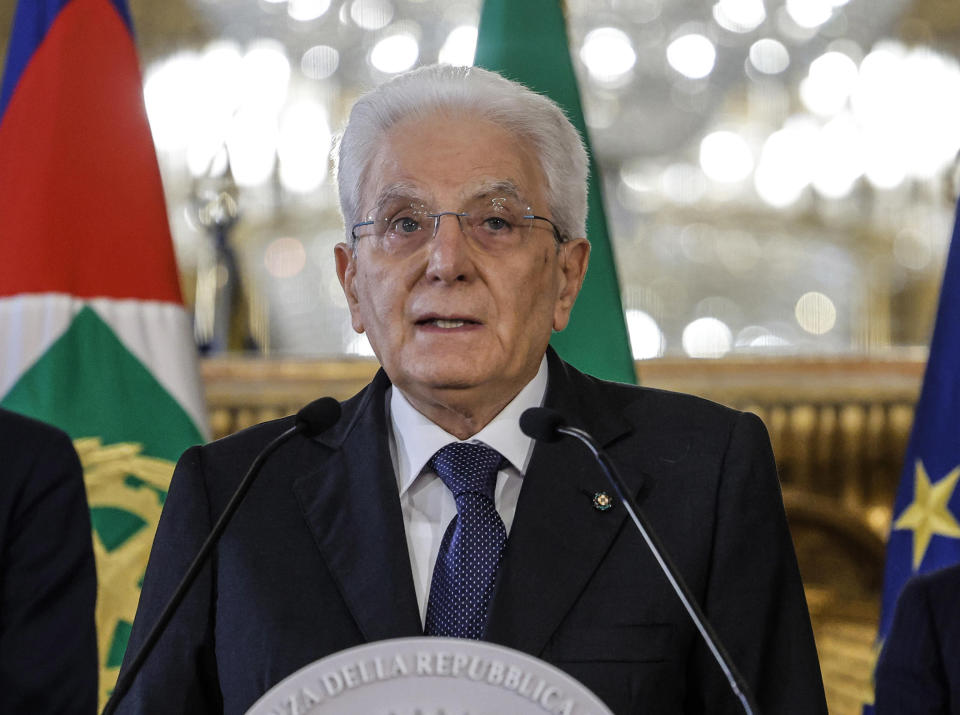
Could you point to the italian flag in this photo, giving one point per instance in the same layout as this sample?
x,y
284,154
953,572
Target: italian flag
x,y
94,337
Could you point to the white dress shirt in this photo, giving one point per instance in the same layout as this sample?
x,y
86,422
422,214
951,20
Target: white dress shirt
x,y
426,502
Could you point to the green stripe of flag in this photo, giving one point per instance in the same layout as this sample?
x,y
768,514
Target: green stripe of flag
x,y
89,385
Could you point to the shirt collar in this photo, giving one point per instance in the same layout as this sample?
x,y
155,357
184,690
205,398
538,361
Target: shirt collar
x,y
418,439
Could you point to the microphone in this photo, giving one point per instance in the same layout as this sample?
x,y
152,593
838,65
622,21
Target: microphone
x,y
542,424
319,415
310,421
546,425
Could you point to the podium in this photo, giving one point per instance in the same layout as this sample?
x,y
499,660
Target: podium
x,y
429,676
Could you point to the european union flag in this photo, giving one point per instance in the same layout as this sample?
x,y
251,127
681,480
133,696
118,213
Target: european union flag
x,y
925,534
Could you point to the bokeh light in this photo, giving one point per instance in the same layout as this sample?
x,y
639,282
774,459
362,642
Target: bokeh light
x,y
170,88
725,157
608,54
320,62
252,146
908,103
815,313
221,76
459,47
646,338
757,338
692,55
787,162
839,161
395,53
284,257
266,75
912,249
739,15
809,13
707,338
307,10
683,183
769,56
830,81
371,14
304,144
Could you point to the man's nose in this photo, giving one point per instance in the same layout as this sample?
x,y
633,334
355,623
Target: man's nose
x,y
450,256
437,216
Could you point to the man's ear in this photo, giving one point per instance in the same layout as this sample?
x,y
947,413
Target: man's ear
x,y
574,257
347,271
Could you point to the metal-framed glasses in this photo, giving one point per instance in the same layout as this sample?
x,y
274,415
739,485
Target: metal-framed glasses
x,y
494,225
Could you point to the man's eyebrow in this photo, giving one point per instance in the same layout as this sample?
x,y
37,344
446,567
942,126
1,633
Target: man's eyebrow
x,y
499,188
399,190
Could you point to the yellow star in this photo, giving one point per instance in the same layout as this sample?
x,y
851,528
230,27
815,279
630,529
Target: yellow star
x,y
929,513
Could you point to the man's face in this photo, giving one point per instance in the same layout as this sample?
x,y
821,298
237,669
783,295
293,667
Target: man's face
x,y
451,323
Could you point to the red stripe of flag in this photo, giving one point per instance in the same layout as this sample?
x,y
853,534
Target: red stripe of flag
x,y
81,203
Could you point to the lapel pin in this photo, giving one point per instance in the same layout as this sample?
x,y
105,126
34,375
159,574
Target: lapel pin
x,y
602,501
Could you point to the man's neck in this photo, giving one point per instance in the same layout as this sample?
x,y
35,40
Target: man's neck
x,y
462,412
460,417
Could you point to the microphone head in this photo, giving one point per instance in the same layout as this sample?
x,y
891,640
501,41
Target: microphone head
x,y
541,423
318,416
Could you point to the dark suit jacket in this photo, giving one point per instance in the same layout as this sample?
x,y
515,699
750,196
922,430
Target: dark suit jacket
x,y
316,560
48,582
919,668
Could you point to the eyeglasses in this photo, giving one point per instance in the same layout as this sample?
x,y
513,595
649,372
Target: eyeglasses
x,y
402,226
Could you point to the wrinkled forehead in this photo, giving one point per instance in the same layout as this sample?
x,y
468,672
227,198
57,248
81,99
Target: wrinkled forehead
x,y
446,160
472,193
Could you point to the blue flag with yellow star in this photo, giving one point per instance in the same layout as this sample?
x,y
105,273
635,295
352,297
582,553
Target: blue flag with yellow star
x,y
925,533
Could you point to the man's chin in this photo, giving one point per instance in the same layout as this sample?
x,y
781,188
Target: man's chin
x,y
452,383
446,378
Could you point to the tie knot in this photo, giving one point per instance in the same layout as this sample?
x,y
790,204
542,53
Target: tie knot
x,y
467,467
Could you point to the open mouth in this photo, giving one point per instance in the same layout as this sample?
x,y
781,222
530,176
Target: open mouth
x,y
447,323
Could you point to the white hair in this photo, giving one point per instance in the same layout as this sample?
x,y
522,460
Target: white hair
x,y
477,93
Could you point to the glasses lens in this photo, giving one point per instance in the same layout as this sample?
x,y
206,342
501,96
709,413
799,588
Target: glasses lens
x,y
497,224
401,225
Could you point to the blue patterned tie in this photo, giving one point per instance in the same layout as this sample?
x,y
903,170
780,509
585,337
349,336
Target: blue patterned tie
x,y
470,552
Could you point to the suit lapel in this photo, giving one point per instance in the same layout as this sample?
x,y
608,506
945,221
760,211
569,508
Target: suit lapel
x,y
353,511
558,537
557,541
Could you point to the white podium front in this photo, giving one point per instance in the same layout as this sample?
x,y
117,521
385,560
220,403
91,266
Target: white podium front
x,y
429,676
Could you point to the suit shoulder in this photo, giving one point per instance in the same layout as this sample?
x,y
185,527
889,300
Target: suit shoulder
x,y
685,402
20,431
35,454
249,441
939,587
945,578
664,405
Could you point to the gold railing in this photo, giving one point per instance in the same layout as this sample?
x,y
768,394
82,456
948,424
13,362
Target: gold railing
x,y
839,429
242,391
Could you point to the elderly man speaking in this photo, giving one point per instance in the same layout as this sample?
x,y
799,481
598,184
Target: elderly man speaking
x,y
425,509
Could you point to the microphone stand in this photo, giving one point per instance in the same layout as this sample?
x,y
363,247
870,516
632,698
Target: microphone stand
x,y
124,683
720,654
